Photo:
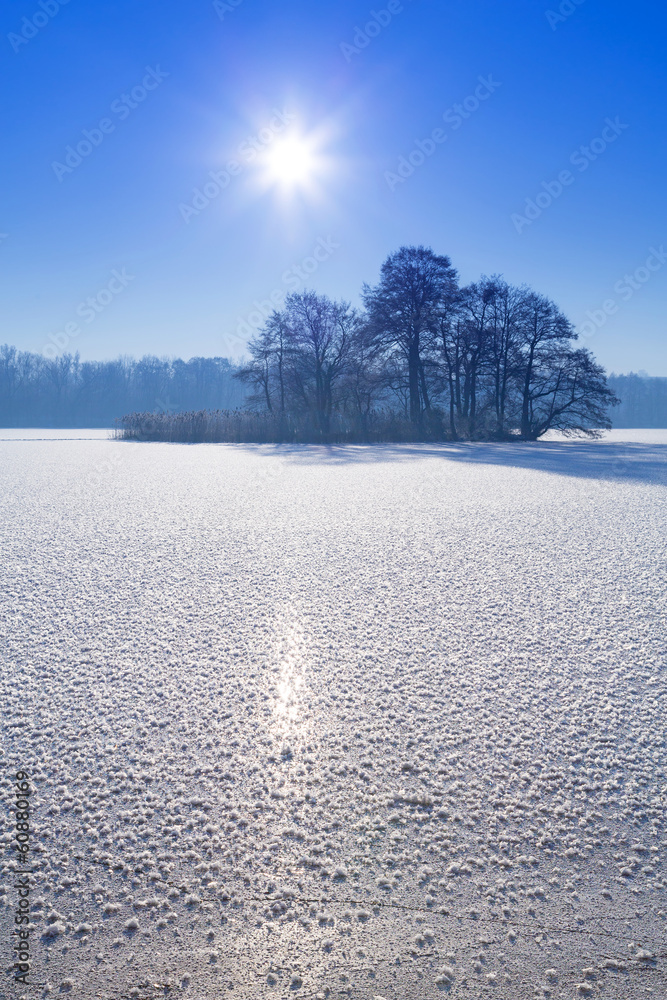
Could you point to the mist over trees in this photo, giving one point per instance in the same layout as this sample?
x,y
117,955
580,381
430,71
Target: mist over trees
x,y
643,400
65,392
487,360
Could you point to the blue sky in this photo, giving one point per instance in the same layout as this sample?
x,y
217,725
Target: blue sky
x,y
185,89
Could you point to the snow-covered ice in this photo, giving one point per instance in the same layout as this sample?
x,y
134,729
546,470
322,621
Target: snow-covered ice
x,y
370,722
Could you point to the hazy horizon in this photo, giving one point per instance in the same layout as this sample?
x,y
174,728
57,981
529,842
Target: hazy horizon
x,y
186,357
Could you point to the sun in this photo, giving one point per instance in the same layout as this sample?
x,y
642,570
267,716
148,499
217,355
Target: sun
x,y
291,162
295,167
298,167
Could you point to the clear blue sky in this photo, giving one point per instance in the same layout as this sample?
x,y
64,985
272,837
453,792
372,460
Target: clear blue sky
x,y
554,84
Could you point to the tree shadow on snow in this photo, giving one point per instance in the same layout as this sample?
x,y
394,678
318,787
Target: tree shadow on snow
x,y
646,463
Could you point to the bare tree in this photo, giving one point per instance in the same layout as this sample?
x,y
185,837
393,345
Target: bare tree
x,y
402,313
507,309
476,308
569,392
322,332
449,345
542,327
366,381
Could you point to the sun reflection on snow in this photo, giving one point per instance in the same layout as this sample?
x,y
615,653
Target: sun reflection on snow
x,y
287,707
289,702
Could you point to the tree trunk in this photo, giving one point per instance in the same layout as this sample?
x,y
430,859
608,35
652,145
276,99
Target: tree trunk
x,y
413,382
525,407
452,410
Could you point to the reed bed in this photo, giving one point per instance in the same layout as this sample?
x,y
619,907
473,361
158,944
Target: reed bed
x,y
247,427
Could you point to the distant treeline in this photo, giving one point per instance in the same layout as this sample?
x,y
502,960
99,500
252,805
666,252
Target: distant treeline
x,y
65,392
643,400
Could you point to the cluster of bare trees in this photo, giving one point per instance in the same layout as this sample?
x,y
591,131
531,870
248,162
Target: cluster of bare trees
x,y
488,360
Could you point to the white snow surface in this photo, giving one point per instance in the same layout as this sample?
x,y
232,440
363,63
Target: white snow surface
x,y
337,722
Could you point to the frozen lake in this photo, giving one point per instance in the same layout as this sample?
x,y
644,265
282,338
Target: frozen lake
x,y
368,722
